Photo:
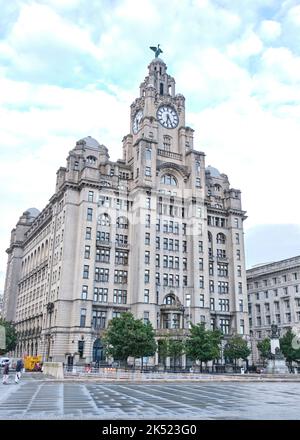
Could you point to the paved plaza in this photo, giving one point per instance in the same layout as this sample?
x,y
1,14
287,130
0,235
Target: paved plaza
x,y
39,398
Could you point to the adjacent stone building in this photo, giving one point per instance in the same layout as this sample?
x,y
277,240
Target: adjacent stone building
x,y
156,232
273,297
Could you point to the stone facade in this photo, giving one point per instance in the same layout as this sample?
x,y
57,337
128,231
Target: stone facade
x,y
156,233
274,297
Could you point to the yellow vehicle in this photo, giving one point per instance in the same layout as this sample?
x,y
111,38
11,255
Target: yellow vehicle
x,y
31,361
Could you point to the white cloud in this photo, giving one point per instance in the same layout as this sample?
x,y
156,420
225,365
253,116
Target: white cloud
x,y
270,30
249,44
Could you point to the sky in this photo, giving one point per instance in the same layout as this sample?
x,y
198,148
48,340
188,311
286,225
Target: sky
x,y
71,68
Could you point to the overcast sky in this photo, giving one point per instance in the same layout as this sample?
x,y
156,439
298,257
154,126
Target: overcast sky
x,y
71,68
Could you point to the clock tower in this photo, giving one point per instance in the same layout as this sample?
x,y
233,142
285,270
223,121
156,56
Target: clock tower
x,y
157,125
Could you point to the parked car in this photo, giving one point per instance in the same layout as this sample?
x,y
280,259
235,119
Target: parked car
x,y
3,361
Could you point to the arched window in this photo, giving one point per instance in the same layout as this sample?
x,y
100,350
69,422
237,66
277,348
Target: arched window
x,y
221,239
122,223
169,300
168,179
91,159
217,187
104,220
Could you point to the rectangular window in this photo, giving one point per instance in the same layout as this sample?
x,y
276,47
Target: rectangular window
x,y
176,280
87,252
103,255
210,268
200,263
176,245
198,182
212,303
184,247
237,238
147,220
238,254
177,263
147,238
101,274
158,225
88,233
242,327
100,295
157,241
147,276
201,282
84,292
147,257
120,277
147,171
239,271
185,281
91,196
89,215
201,302
200,246
120,296
165,244
157,260
241,305
86,271
223,287
98,319
146,317
157,278
148,202
222,270
211,286
121,257
82,317
224,326
240,287
236,222
165,279
146,296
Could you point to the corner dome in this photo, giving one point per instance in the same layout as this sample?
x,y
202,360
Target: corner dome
x,y
89,142
33,212
214,172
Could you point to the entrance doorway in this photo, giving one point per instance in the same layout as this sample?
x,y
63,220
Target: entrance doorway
x,y
98,352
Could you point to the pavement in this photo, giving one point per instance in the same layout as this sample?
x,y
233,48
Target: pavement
x,y
40,398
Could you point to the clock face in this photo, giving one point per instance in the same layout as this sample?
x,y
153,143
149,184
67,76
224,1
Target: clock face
x,y
167,116
137,121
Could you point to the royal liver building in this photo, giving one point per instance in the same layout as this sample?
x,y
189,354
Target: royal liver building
x,y
155,233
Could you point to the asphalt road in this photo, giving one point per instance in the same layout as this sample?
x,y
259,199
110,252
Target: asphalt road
x,y
37,398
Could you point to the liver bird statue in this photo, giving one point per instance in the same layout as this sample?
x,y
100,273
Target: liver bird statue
x,y
157,50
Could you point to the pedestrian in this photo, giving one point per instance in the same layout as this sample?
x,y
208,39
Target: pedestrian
x,y
5,373
19,369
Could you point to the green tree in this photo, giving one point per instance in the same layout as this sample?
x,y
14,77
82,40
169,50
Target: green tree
x,y
10,336
289,344
236,348
203,345
264,348
144,341
126,336
170,347
175,349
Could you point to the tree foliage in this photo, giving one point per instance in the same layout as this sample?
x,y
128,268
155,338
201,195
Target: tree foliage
x,y
126,336
264,348
236,348
203,345
170,347
286,345
10,336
